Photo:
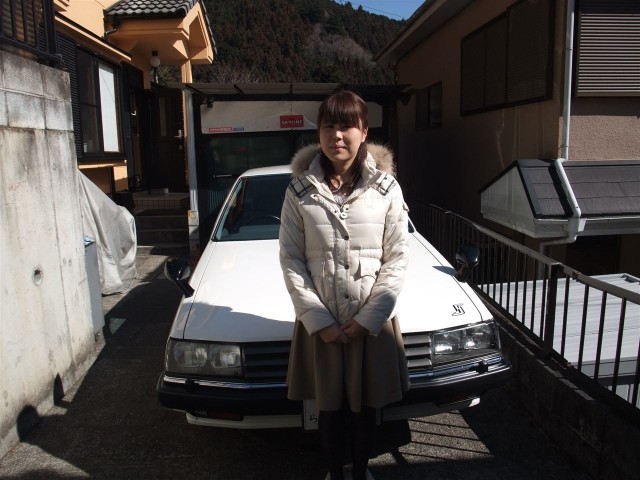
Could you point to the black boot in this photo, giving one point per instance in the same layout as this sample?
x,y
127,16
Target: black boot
x,y
331,426
362,428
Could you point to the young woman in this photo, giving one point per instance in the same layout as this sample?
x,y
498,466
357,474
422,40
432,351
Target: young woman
x,y
343,252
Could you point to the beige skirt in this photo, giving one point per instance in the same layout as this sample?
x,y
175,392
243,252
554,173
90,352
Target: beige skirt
x,y
369,371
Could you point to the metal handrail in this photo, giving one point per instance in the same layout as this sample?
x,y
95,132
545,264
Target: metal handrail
x,y
534,292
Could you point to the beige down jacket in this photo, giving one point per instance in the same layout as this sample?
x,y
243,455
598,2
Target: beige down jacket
x,y
341,262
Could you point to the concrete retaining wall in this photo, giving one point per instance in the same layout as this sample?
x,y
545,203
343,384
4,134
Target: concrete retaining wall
x,y
601,439
46,333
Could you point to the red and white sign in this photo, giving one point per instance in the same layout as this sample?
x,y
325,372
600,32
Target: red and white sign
x,y
292,121
267,116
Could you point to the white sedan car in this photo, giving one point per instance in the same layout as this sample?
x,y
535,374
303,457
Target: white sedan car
x,y
228,348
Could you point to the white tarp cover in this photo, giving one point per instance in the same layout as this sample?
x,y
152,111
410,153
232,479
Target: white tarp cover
x,y
114,231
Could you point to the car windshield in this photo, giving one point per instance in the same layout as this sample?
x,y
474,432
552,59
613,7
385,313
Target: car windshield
x,y
252,211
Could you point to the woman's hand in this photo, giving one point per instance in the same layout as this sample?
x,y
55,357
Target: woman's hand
x,y
333,334
353,329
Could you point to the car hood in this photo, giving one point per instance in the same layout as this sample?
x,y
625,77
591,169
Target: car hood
x,y
244,298
432,299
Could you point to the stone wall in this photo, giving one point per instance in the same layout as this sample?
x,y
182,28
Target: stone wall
x,y
601,439
46,333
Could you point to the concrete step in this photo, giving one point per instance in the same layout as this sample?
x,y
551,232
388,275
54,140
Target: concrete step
x,y
179,250
155,222
156,236
163,230
144,200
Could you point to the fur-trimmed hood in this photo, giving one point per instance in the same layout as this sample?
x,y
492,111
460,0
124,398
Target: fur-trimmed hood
x,y
380,157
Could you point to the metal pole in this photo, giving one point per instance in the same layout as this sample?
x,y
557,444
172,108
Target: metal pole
x,y
550,315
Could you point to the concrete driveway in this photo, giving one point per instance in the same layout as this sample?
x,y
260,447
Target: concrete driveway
x,y
110,425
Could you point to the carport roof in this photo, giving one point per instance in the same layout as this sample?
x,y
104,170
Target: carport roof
x,y
291,89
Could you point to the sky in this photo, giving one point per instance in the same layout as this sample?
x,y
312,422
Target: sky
x,y
395,9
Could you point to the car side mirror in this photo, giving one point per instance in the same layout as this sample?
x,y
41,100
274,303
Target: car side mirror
x,y
467,257
178,271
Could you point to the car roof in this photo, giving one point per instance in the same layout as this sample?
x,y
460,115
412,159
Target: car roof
x,y
278,169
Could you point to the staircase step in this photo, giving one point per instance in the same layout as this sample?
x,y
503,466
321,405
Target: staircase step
x,y
159,201
179,250
155,222
157,236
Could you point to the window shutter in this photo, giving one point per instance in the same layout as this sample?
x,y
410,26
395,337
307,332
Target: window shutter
x,y
608,51
530,56
509,60
495,82
422,109
472,73
68,50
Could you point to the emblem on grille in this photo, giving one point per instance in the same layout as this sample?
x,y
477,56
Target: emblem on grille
x,y
457,310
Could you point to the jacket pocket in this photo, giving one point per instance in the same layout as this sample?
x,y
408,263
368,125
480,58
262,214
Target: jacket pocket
x,y
368,267
366,275
315,269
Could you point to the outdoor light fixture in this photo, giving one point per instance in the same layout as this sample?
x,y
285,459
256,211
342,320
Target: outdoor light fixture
x,y
155,59
155,63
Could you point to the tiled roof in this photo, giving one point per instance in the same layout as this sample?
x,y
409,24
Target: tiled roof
x,y
543,188
605,188
602,188
150,8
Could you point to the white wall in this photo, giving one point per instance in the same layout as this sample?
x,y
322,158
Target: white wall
x,y
45,313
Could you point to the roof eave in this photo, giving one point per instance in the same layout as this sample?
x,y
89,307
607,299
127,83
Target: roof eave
x,y
426,20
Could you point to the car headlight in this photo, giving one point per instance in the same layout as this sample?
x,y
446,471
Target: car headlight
x,y
203,358
460,343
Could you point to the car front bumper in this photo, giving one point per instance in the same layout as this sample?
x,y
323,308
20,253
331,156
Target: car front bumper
x,y
250,405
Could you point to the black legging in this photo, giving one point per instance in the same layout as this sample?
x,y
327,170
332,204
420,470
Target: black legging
x,y
358,428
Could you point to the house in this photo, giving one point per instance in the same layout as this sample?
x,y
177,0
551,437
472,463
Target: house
x,y
523,116
76,94
129,132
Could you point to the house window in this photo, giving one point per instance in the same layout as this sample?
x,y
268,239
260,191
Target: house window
x,y
435,105
608,48
19,20
509,61
98,100
429,107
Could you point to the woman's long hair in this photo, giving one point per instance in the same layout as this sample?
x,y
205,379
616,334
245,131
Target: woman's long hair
x,y
344,108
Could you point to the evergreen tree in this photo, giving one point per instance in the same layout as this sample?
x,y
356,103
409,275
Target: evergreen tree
x,y
295,41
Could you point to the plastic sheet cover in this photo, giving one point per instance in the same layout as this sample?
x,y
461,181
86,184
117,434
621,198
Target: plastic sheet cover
x,y
114,231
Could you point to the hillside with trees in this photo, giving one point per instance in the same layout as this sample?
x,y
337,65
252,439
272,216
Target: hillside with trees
x,y
295,41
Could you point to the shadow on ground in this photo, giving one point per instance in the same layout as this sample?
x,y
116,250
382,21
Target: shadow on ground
x,y
110,425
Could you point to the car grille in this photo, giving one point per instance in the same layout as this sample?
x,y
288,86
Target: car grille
x,y
417,347
267,361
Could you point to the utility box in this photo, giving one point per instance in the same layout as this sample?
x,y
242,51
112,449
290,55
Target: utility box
x,y
93,279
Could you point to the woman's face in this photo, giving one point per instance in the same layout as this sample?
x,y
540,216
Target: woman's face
x,y
340,143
